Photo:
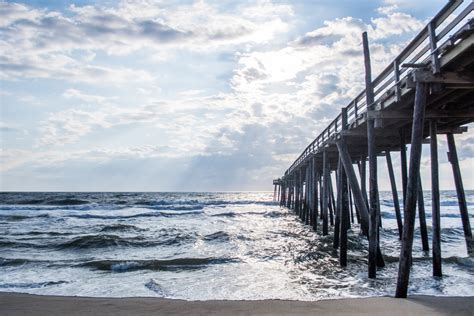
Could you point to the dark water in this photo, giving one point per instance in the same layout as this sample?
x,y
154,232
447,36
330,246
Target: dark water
x,y
204,246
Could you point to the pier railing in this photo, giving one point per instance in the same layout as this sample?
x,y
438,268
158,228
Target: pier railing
x,y
424,49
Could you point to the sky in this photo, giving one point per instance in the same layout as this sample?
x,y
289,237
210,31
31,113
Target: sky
x,y
175,95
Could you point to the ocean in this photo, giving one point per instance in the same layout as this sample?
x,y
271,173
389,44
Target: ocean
x,y
203,246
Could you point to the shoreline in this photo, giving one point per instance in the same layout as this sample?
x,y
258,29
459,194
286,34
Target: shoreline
x,y
30,304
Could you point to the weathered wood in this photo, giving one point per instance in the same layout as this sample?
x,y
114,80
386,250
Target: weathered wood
x,y
344,214
432,114
403,165
422,218
363,177
308,193
435,201
297,192
350,201
321,194
315,196
325,197
337,220
393,185
411,191
453,159
332,208
396,76
316,203
358,196
372,153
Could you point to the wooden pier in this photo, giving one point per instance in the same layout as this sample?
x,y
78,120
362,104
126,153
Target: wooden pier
x,y
427,92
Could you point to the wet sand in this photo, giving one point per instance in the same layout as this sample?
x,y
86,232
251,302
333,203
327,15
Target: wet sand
x,y
26,304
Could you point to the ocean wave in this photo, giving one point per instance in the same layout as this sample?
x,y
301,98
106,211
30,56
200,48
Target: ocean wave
x,y
13,262
17,217
17,244
217,236
148,214
114,204
102,241
39,233
31,285
166,264
120,227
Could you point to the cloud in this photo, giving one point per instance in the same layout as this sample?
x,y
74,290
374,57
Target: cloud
x,y
62,45
277,96
88,98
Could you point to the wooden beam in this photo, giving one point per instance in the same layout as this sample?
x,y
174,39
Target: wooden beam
x,y
325,197
422,217
453,159
431,114
357,192
393,185
344,218
411,191
458,78
435,201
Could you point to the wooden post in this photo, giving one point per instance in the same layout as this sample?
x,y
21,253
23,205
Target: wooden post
x,y
344,214
435,64
396,77
372,152
306,197
422,218
321,194
412,189
275,193
308,193
358,198
453,159
403,165
363,176
435,203
325,192
279,191
350,201
393,184
331,202
283,193
297,192
338,207
288,189
316,199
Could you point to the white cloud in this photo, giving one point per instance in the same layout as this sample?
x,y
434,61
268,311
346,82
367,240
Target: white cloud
x,y
88,98
47,44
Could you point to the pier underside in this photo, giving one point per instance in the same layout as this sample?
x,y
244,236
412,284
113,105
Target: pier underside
x,y
426,93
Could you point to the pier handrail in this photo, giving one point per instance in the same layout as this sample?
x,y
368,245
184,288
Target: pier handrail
x,y
439,30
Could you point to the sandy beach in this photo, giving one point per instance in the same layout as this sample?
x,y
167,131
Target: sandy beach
x,y
26,304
